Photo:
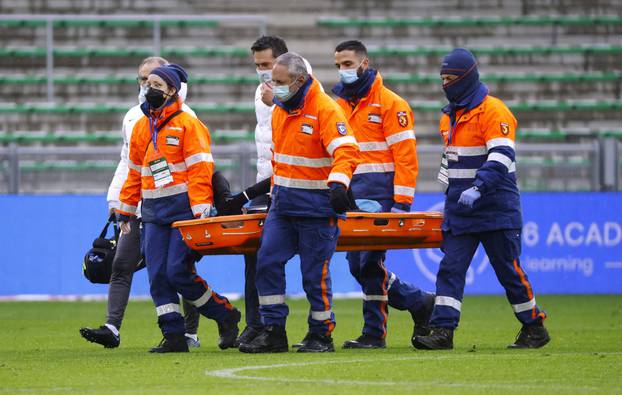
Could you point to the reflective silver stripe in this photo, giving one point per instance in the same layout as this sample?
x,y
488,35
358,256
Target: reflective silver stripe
x,y
298,183
127,208
519,308
468,151
391,281
200,157
271,299
164,192
500,141
133,166
461,173
203,299
503,159
380,298
448,301
373,146
339,141
321,315
401,136
201,208
302,161
512,168
403,190
173,167
167,308
339,177
374,168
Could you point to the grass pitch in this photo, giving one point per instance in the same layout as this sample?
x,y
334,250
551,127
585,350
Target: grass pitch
x,y
42,352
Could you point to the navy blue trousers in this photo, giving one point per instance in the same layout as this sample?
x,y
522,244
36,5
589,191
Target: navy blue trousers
x,y
314,239
170,264
381,288
503,248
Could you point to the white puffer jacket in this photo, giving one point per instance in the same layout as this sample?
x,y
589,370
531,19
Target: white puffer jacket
x,y
263,133
120,174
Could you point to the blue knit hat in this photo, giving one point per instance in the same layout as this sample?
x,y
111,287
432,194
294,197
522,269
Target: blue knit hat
x,y
172,74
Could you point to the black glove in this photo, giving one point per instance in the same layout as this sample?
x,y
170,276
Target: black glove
x,y
233,205
339,198
222,191
261,188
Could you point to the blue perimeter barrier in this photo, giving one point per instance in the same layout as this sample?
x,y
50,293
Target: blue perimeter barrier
x,y
572,244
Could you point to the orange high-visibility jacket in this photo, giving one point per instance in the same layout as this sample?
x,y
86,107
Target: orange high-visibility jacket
x,y
185,144
480,152
313,147
383,125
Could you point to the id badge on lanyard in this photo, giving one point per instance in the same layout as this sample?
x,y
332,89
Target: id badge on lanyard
x,y
158,165
443,173
450,154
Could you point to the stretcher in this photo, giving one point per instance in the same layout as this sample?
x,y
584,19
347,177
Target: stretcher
x,y
240,234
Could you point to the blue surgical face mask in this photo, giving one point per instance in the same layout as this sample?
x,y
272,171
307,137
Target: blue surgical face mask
x,y
282,92
264,75
348,76
141,94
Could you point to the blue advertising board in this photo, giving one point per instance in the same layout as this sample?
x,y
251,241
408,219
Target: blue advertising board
x,y
572,243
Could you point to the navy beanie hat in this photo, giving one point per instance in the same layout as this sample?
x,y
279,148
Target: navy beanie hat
x,y
462,63
172,74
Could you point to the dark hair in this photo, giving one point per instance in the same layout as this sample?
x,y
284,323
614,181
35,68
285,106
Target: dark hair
x,y
352,45
275,43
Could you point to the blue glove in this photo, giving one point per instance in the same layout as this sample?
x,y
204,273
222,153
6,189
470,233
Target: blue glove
x,y
369,206
469,196
400,208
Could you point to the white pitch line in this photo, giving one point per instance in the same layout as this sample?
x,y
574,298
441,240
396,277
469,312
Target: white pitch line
x,y
232,373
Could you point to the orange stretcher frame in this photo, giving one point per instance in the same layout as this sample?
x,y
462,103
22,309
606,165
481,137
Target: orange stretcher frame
x,y
240,234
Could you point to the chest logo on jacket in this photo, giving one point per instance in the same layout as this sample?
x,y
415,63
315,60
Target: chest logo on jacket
x,y
374,118
306,128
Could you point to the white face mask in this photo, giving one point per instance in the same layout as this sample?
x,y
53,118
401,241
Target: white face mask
x,y
264,75
282,92
348,76
141,94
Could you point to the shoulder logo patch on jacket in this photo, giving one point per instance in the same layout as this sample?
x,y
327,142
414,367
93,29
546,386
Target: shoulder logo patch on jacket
x,y
505,128
341,128
402,118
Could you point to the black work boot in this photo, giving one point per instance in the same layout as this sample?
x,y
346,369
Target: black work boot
x,y
172,342
438,339
228,330
247,335
102,335
272,338
531,336
365,342
314,342
422,316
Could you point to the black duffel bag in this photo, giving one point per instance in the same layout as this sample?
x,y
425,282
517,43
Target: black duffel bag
x,y
97,265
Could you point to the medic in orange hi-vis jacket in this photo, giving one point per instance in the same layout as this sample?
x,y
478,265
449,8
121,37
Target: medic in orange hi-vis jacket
x,y
482,204
171,171
314,156
383,125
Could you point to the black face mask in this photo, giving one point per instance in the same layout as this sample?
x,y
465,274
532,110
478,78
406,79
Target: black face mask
x,y
155,97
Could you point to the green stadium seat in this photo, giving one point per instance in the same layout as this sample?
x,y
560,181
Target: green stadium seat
x,y
434,22
417,79
222,108
121,80
219,52
111,23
